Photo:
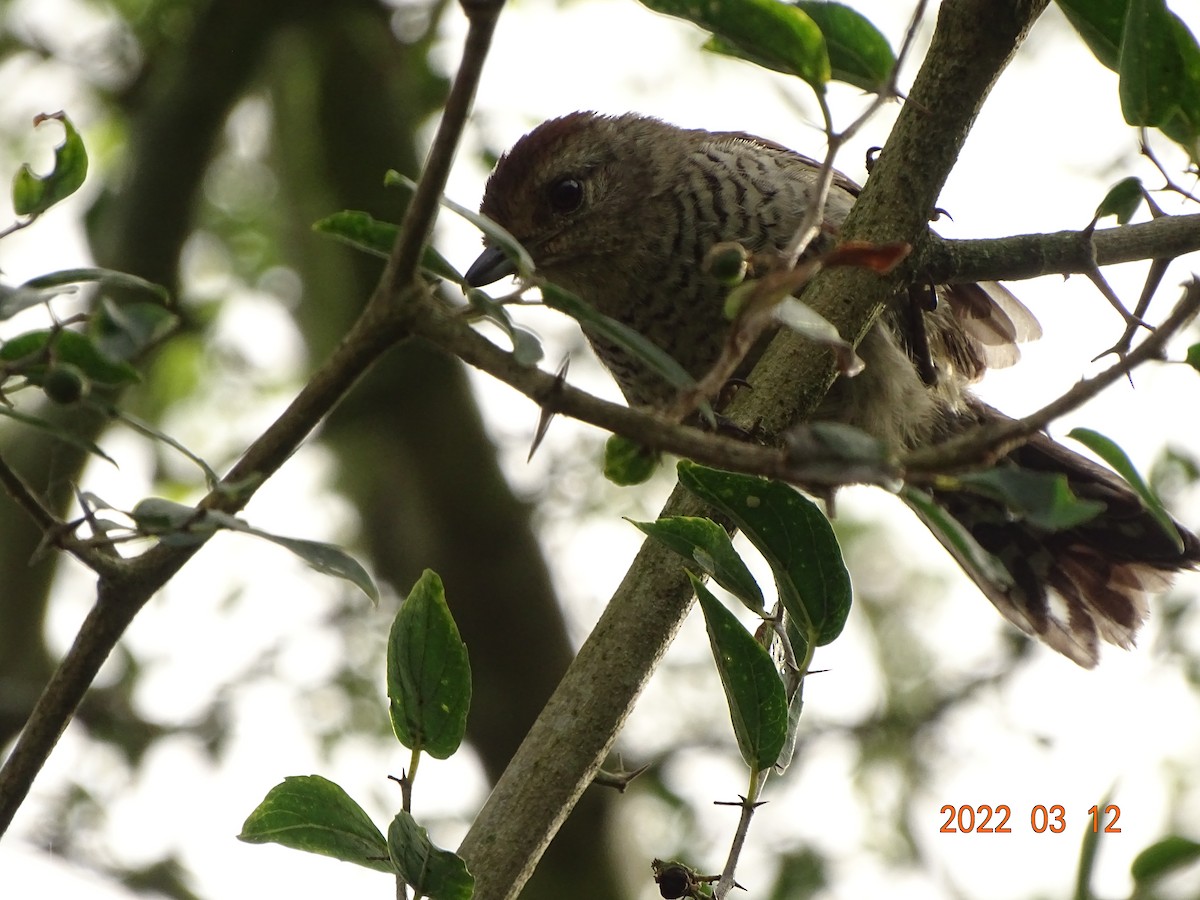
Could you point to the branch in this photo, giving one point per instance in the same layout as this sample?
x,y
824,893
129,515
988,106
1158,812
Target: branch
x,y
123,593
989,442
1021,256
973,42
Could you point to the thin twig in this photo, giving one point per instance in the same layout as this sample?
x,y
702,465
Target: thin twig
x,y
422,211
992,441
749,804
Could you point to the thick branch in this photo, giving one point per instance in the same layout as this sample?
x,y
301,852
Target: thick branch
x,y
973,43
1061,253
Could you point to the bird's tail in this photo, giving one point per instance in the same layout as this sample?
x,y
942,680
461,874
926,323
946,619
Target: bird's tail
x,y
1066,582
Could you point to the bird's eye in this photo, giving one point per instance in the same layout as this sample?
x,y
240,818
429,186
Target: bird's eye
x,y
565,195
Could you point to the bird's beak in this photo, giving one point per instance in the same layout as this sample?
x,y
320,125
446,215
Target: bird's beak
x,y
492,265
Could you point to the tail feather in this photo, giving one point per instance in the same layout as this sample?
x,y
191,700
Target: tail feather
x,y
1071,587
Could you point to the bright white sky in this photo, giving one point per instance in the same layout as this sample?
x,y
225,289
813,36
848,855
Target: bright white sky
x,y
1042,155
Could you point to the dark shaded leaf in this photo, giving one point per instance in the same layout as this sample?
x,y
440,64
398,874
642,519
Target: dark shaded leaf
x,y
527,347
1043,498
627,462
793,535
1108,451
768,32
428,869
1193,356
599,325
311,813
859,54
497,236
41,348
705,543
1099,23
428,673
1122,200
33,194
364,232
1164,857
1150,65
58,431
757,702
106,278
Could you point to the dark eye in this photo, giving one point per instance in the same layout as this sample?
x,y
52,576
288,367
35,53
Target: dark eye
x,y
565,194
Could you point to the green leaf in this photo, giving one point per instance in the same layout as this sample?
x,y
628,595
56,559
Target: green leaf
x,y
35,350
793,535
1116,457
1122,200
527,347
1100,24
1183,125
1164,857
757,702
955,537
495,233
177,524
1193,356
771,33
311,813
55,430
859,54
428,673
428,869
105,278
364,232
1042,498
1150,65
123,331
627,462
705,543
596,324
33,194
328,559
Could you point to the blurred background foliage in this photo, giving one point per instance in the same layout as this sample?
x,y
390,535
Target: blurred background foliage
x,y
220,130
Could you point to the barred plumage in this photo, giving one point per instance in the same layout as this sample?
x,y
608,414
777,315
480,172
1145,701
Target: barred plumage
x,y
623,210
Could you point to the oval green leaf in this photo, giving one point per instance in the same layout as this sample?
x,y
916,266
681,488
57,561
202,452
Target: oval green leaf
x,y
1150,66
66,346
706,544
428,673
768,32
627,462
1164,857
1122,200
311,813
859,54
425,867
793,535
757,701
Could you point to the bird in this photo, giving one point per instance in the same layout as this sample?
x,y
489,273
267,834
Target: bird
x,y
623,210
